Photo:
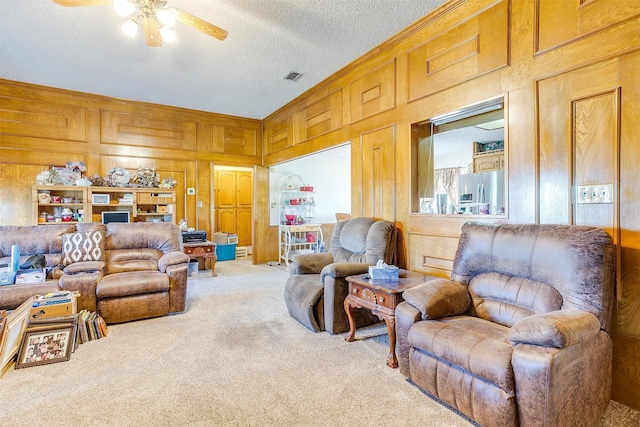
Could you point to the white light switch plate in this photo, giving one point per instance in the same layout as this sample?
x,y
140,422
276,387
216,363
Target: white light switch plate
x,y
596,193
191,191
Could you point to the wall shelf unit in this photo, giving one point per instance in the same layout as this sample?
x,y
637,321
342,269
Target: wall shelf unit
x,y
88,203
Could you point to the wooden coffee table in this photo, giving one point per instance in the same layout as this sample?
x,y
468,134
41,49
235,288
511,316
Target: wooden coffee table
x,y
381,297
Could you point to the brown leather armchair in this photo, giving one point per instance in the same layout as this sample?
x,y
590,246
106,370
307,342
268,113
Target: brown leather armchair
x,y
519,335
316,288
142,274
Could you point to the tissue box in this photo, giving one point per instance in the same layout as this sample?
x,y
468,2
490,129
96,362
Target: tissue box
x,y
389,272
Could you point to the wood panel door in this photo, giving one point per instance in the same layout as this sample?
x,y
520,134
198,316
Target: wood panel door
x,y
234,203
244,221
226,189
244,185
588,125
226,220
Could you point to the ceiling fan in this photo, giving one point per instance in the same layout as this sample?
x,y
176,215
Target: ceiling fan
x,y
154,16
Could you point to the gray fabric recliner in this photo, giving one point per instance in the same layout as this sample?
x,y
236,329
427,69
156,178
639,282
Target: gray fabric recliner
x,y
316,288
519,335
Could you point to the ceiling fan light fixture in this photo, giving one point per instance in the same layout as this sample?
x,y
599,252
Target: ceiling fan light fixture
x,y
167,35
167,17
130,27
124,7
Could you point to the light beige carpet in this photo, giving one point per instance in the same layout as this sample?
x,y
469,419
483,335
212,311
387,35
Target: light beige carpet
x,y
234,358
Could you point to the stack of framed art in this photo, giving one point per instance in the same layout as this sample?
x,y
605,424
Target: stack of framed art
x,y
26,341
48,340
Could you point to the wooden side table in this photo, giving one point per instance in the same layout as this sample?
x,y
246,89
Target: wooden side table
x,y
205,250
382,298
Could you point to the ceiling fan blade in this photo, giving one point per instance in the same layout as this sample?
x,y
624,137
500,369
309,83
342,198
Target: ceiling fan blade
x,y
74,3
151,31
200,25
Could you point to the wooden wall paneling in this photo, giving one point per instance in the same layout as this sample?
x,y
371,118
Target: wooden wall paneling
x,y
15,193
135,130
475,46
19,174
199,206
626,336
604,101
627,320
378,173
373,93
560,22
234,140
320,117
265,238
625,388
596,146
522,155
278,134
433,253
554,151
226,136
180,170
42,119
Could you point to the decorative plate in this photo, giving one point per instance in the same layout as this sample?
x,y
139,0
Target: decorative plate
x,y
119,177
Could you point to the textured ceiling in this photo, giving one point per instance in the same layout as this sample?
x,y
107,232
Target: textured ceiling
x,y
83,49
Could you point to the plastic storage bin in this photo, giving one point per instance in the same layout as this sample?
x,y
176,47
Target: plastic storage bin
x,y
192,268
226,252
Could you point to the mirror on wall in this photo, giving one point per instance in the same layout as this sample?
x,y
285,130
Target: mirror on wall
x,y
458,162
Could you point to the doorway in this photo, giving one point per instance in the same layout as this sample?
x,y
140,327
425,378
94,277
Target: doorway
x,y
233,204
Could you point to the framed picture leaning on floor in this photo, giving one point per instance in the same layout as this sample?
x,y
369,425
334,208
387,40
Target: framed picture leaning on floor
x,y
10,337
43,345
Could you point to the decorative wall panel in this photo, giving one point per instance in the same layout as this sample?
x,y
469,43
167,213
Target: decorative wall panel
x,y
473,47
41,119
596,142
378,173
373,93
15,194
278,134
433,254
560,22
129,129
234,140
320,117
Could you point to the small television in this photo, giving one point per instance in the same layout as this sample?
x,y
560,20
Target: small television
x,y
115,216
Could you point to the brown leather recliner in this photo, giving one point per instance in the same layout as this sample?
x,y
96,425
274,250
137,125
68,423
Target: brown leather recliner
x,y
519,335
142,274
316,288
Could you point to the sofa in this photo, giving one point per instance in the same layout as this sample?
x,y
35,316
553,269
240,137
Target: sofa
x,y
32,240
520,334
316,288
124,271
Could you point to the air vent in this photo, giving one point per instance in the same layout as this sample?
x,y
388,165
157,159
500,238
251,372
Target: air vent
x,y
293,76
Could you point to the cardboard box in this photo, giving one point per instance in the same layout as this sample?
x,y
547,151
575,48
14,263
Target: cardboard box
x,y
54,310
31,276
223,238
